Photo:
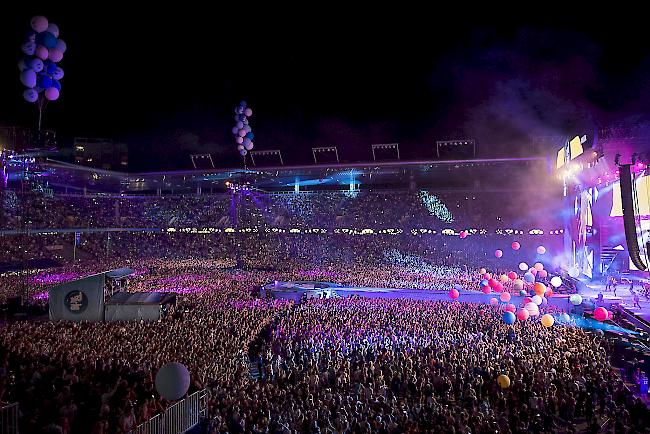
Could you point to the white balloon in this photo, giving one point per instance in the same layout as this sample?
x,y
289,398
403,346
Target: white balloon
x,y
556,281
172,381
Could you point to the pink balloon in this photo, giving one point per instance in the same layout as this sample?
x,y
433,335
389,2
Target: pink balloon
x,y
239,140
516,246
527,300
486,289
522,314
505,297
494,301
55,55
511,307
242,133
492,283
52,93
498,287
533,271
41,52
601,314
454,293
542,274
498,253
512,275
39,23
248,111
487,276
462,234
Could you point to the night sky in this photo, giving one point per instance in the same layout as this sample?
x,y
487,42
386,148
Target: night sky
x,y
166,82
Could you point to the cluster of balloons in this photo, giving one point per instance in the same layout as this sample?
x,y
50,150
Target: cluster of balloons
x,y
242,130
39,71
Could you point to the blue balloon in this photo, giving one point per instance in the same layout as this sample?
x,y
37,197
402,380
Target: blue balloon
x,y
44,81
61,46
242,103
30,95
55,83
509,318
46,39
250,135
528,277
484,282
235,130
247,141
242,118
50,67
29,48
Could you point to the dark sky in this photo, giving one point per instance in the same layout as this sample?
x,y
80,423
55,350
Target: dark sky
x,y
166,82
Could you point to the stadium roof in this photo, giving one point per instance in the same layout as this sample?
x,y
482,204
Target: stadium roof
x,y
451,174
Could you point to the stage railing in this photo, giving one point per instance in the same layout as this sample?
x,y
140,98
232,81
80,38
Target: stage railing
x,y
9,418
178,418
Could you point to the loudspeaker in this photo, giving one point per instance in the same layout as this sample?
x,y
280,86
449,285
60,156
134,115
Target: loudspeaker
x,y
14,304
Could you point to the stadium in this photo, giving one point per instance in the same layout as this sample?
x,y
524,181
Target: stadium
x,y
448,293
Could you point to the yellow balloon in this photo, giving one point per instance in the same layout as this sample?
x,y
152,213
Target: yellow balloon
x,y
503,278
503,381
547,320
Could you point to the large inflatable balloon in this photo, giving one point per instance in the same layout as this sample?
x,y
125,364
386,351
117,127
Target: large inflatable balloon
x,y
511,308
498,253
503,381
509,318
518,284
523,266
541,250
505,297
575,299
539,289
512,275
556,281
482,271
172,381
522,314
538,266
574,272
547,320
529,277
516,246
601,314
453,293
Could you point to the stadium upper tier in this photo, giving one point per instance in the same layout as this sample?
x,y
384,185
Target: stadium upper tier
x,y
499,174
375,210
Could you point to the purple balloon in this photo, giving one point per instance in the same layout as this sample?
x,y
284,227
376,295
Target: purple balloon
x,y
249,146
29,48
240,125
39,23
52,93
55,55
247,128
28,78
30,95
248,111
242,133
53,29
61,45
243,152
246,141
41,52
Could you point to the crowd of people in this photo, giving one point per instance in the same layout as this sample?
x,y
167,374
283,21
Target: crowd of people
x,y
341,365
